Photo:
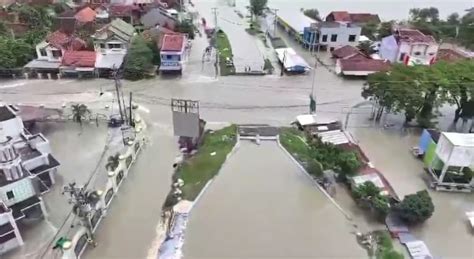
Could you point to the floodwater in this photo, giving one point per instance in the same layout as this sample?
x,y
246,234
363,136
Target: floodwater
x,y
262,206
447,233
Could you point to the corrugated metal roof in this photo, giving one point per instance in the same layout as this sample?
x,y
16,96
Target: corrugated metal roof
x,y
336,137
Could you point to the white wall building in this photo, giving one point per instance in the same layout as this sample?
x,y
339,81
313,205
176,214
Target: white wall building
x,y
409,47
27,170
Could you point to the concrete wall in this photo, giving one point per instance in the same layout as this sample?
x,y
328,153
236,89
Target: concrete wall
x,y
36,162
12,128
342,33
421,51
22,190
389,49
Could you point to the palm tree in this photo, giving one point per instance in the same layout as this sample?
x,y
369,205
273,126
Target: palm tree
x,y
113,162
79,112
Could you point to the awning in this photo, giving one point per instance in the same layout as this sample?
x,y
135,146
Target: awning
x,y
109,61
42,64
18,208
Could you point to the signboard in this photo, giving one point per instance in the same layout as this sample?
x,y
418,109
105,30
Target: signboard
x,y
185,117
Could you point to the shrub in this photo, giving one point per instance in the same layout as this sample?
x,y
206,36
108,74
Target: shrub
x,y
415,208
139,60
315,168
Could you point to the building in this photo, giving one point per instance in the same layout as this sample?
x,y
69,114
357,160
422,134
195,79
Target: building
x,y
360,66
110,44
346,52
78,63
331,35
51,51
452,55
173,52
410,47
158,16
27,170
357,18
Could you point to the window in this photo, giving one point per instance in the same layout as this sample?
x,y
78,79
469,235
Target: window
x,y
431,53
325,38
102,45
115,46
417,53
169,57
333,37
43,53
57,53
352,38
402,56
10,195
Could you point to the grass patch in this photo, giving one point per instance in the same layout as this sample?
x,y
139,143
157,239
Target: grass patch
x,y
384,248
293,141
225,51
202,167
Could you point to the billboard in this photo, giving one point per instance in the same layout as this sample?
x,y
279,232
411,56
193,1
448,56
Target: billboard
x,y
185,117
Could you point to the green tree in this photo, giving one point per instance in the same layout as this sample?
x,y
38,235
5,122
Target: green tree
x,y
348,163
156,52
385,29
139,60
257,7
15,52
312,13
187,27
366,190
315,168
79,112
430,14
453,19
415,208
369,29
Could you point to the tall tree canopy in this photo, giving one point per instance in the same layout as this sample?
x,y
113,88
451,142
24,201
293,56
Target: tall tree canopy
x,y
312,13
257,7
139,60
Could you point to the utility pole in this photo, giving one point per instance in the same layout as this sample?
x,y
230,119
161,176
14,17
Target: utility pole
x,y
216,64
312,100
117,83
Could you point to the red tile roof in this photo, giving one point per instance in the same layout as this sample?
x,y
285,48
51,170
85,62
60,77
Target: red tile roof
x,y
364,65
85,15
340,16
62,40
344,52
121,10
172,42
410,35
78,58
450,55
364,17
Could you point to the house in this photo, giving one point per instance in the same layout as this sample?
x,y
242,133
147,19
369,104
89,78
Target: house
x,y
357,18
158,16
331,35
173,52
27,171
156,34
128,13
410,47
346,52
111,43
85,15
50,52
360,66
78,63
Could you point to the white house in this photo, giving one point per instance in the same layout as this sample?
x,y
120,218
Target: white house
x,y
173,52
111,43
332,35
27,170
410,47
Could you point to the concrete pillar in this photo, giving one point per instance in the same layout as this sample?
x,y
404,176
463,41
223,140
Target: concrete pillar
x,y
52,175
43,208
40,75
15,228
27,76
49,76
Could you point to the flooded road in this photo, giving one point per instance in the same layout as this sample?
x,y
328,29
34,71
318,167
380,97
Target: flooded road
x,y
389,151
261,206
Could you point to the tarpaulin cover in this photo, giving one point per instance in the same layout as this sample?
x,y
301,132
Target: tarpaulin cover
x,y
430,153
424,141
456,149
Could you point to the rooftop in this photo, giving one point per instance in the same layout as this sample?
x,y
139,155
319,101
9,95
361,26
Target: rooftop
x,y
367,64
411,35
173,42
28,153
79,58
6,114
295,19
345,51
451,55
52,163
340,16
460,139
61,40
85,15
344,16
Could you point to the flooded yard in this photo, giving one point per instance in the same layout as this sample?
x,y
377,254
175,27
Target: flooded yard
x,y
261,205
447,232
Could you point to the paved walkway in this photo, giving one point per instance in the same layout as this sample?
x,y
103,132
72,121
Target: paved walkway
x,y
261,206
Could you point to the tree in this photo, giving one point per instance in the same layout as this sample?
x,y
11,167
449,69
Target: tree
x,y
113,162
79,112
15,52
315,168
139,60
415,208
367,190
368,195
187,27
453,19
156,52
366,48
430,14
257,7
369,29
312,13
348,163
385,29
